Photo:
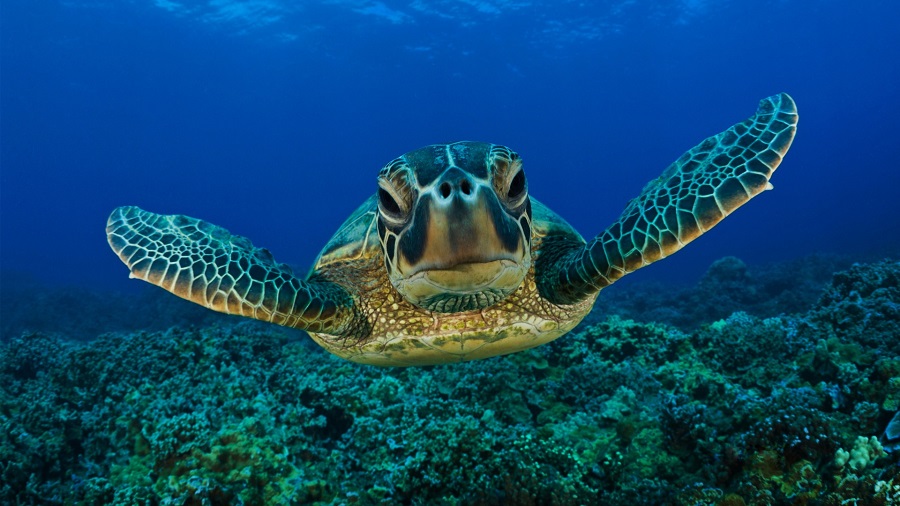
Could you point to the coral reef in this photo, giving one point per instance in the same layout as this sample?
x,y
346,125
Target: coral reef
x,y
728,286
82,314
745,409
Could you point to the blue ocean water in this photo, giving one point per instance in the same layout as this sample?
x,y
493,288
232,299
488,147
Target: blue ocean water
x,y
272,118
758,366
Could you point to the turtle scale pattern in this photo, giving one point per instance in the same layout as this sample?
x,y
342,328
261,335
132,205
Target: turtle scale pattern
x,y
206,264
349,306
692,195
395,326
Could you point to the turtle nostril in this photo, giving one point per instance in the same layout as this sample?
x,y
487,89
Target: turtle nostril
x,y
445,189
466,187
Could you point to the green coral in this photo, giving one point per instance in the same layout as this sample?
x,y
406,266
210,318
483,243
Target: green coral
x,y
865,451
743,411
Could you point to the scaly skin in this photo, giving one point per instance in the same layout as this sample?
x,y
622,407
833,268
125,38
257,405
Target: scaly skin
x,y
205,264
694,194
350,306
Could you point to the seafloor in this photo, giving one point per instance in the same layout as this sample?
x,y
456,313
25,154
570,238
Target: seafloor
x,y
771,385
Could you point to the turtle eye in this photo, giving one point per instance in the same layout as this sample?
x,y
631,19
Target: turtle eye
x,y
388,203
516,186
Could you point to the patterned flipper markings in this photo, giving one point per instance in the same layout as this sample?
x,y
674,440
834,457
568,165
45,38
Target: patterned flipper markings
x,y
691,196
205,264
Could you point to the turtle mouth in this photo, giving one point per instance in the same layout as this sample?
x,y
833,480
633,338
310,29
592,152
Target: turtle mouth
x,y
463,286
468,276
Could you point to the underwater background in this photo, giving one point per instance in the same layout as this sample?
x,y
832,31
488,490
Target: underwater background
x,y
759,366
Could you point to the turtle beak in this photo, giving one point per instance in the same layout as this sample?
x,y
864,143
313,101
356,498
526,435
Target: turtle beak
x,y
461,236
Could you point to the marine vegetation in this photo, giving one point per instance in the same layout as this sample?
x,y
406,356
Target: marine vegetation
x,y
743,410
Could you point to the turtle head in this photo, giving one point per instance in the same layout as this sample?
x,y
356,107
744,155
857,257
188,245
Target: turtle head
x,y
455,224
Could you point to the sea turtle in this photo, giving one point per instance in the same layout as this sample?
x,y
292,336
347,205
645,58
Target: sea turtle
x,y
452,259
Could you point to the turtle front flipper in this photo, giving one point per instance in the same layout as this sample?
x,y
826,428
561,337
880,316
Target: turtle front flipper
x,y
206,264
690,197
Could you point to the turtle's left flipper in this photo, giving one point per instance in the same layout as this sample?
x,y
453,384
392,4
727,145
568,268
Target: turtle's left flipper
x,y
691,196
206,264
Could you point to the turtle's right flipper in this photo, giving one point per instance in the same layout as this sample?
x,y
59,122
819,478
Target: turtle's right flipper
x,y
699,190
206,264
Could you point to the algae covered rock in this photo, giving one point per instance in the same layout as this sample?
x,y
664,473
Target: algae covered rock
x,y
740,410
